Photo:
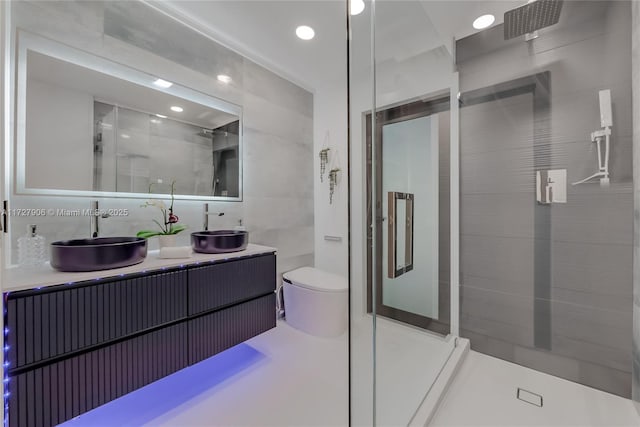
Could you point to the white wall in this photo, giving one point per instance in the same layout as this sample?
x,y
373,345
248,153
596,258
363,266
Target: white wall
x,y
330,130
62,137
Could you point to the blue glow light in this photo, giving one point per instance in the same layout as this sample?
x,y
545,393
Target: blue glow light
x,y
5,379
163,396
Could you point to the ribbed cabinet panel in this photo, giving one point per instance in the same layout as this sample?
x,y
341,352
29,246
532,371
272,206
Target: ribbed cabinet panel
x,y
43,326
54,393
216,332
222,284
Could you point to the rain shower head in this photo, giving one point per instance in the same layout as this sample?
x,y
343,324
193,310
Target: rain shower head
x,y
531,17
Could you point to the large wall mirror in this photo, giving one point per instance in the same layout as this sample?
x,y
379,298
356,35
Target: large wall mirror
x,y
88,126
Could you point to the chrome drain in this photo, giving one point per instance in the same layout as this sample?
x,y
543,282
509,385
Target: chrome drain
x,y
529,397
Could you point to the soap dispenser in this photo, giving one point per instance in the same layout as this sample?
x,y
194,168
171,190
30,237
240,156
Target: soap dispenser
x,y
31,248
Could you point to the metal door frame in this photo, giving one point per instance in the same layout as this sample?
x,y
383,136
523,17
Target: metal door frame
x,y
396,114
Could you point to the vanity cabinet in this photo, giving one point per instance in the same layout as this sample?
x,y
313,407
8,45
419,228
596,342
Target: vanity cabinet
x,y
73,347
235,282
55,322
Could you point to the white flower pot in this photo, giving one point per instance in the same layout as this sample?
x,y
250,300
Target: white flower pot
x,y
166,240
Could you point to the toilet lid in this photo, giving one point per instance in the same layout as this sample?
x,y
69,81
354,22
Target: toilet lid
x,y
317,280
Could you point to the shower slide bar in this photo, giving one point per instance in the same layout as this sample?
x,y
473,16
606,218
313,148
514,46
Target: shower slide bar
x,y
598,137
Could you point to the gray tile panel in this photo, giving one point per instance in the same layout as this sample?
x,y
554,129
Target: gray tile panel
x,y
567,267
636,214
498,258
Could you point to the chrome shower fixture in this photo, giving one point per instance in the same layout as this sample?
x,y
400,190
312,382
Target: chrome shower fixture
x,y
600,136
529,18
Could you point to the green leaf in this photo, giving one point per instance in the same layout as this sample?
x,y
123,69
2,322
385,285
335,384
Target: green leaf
x,y
148,233
177,228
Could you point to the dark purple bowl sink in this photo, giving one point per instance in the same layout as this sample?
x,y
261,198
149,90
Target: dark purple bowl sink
x,y
101,253
219,241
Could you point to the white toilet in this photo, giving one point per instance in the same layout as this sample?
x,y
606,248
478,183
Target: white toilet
x,y
316,302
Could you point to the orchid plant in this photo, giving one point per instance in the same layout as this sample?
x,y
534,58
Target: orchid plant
x,y
169,224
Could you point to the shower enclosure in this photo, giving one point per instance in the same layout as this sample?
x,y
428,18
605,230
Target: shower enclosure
x,y
546,258
526,128
404,153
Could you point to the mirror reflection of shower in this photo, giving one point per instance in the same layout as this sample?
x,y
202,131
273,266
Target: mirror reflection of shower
x,y
132,149
224,159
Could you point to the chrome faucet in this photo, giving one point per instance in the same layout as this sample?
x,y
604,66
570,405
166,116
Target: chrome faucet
x,y
206,214
94,218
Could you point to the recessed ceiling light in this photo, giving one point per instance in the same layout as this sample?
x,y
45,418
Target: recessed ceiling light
x,y
357,6
483,22
161,116
162,83
124,136
176,109
224,78
155,121
305,32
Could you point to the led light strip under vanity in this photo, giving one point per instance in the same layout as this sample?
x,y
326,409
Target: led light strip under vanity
x,y
75,341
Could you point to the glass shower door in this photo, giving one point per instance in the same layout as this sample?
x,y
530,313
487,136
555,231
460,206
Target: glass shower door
x,y
411,314
407,217
404,231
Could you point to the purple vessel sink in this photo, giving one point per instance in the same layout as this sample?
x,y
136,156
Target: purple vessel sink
x,y
219,241
101,253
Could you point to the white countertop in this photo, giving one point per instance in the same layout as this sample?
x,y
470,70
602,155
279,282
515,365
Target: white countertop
x,y
16,279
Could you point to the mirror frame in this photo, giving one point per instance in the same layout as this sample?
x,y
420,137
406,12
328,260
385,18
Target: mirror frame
x,y
27,41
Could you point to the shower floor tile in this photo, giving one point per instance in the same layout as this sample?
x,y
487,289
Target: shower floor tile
x,y
484,393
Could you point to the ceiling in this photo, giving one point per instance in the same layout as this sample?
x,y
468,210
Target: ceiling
x,y
264,31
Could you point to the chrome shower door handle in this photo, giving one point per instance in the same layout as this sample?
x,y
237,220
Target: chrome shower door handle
x,y
393,269
4,226
391,235
408,240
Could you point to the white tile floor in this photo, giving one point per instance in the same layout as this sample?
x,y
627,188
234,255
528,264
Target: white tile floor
x,y
408,362
483,393
281,378
287,378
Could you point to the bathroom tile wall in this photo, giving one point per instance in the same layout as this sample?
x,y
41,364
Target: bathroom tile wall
x,y
277,206
549,287
635,77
